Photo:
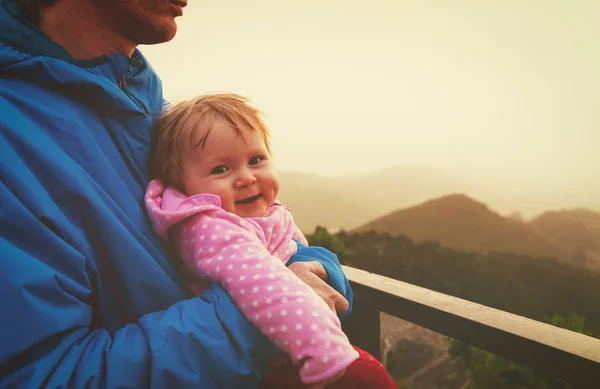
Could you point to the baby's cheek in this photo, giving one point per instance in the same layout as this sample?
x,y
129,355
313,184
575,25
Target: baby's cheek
x,y
271,194
225,193
275,186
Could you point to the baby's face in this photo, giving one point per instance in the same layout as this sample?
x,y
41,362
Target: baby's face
x,y
236,168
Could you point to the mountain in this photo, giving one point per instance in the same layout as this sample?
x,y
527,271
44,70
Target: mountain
x,y
460,222
402,186
575,232
456,221
348,202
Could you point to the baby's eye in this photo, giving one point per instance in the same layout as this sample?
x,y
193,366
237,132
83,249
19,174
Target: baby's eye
x,y
219,170
256,160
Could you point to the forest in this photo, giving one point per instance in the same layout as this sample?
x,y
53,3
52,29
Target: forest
x,y
540,288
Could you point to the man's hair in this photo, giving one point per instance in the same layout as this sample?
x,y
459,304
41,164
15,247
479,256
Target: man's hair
x,y
31,8
192,121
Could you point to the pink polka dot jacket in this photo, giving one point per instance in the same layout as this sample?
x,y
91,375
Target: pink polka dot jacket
x,y
247,256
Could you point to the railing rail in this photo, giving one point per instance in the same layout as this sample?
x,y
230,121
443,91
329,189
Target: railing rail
x,y
553,351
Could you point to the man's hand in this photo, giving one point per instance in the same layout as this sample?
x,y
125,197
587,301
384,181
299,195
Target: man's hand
x,y
314,275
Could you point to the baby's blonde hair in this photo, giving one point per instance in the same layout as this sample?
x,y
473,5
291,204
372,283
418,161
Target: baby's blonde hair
x,y
191,117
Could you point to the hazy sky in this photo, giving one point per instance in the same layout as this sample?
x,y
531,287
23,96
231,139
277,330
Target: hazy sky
x,y
505,92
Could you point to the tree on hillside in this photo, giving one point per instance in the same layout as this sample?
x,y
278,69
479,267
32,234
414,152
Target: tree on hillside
x,y
332,242
526,286
530,287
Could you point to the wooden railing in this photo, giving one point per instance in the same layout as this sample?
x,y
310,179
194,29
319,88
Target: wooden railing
x,y
553,351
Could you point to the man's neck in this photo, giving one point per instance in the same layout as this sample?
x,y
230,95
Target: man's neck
x,y
82,31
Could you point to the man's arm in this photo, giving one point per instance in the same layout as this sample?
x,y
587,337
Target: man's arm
x,y
334,274
49,338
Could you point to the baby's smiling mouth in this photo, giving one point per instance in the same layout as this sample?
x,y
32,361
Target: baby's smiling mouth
x,y
249,200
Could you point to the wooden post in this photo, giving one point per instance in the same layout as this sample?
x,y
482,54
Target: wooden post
x,y
363,325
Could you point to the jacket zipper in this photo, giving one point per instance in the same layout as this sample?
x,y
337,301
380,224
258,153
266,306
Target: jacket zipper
x,y
136,101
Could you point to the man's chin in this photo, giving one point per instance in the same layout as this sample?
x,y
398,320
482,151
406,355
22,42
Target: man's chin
x,y
158,34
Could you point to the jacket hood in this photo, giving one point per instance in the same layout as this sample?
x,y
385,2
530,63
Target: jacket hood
x,y
168,206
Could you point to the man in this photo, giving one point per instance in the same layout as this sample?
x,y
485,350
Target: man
x,y
88,296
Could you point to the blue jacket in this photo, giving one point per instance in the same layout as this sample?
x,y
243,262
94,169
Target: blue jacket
x,y
88,297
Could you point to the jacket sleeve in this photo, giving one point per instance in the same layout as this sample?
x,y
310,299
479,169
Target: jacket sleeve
x,y
285,309
336,277
49,338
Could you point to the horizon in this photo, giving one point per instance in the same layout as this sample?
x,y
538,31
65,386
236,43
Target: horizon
x,y
505,95
500,203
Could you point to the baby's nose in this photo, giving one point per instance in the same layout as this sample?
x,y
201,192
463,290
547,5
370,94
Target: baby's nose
x,y
245,178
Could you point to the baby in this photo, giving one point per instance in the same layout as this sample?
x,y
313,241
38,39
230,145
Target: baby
x,y
214,196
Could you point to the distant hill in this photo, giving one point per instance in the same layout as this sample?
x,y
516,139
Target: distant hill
x,y
460,222
401,186
385,200
348,202
575,232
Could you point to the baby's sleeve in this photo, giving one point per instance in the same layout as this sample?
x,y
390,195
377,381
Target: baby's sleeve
x,y
298,235
284,308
